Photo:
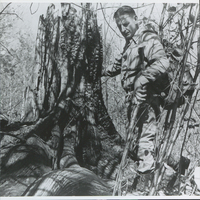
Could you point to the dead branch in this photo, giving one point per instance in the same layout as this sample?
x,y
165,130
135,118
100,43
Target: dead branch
x,y
32,13
108,23
160,172
5,8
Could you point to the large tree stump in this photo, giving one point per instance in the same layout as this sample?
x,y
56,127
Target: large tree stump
x,y
64,100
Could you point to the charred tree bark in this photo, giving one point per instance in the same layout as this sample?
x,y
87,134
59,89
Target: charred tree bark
x,y
64,183
64,105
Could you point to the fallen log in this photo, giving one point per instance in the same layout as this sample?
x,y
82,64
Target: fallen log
x,y
73,181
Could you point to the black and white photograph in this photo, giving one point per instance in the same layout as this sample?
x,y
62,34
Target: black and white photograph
x,y
99,99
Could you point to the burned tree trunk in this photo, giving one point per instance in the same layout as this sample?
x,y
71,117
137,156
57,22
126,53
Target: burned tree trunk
x,y
64,105
68,80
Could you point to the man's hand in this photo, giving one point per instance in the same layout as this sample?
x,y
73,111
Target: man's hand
x,y
141,94
140,88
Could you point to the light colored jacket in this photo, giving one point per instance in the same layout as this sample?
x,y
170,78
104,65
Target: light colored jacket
x,y
131,64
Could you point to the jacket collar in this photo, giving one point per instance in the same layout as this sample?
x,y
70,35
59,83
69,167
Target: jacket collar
x,y
142,28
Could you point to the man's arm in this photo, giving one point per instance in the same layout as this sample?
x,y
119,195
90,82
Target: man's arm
x,y
157,64
154,51
114,69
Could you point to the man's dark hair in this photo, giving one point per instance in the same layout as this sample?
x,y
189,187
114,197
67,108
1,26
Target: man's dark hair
x,y
124,10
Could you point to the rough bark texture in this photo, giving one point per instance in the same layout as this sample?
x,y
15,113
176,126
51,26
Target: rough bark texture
x,y
65,101
63,183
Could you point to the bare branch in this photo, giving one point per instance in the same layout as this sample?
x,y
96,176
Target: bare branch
x,y
108,23
5,8
10,52
12,14
118,7
6,49
187,127
151,11
32,13
165,24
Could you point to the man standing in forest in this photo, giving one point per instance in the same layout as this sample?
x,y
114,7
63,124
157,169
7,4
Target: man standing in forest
x,y
142,64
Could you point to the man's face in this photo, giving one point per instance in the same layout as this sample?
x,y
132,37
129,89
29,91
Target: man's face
x,y
127,25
